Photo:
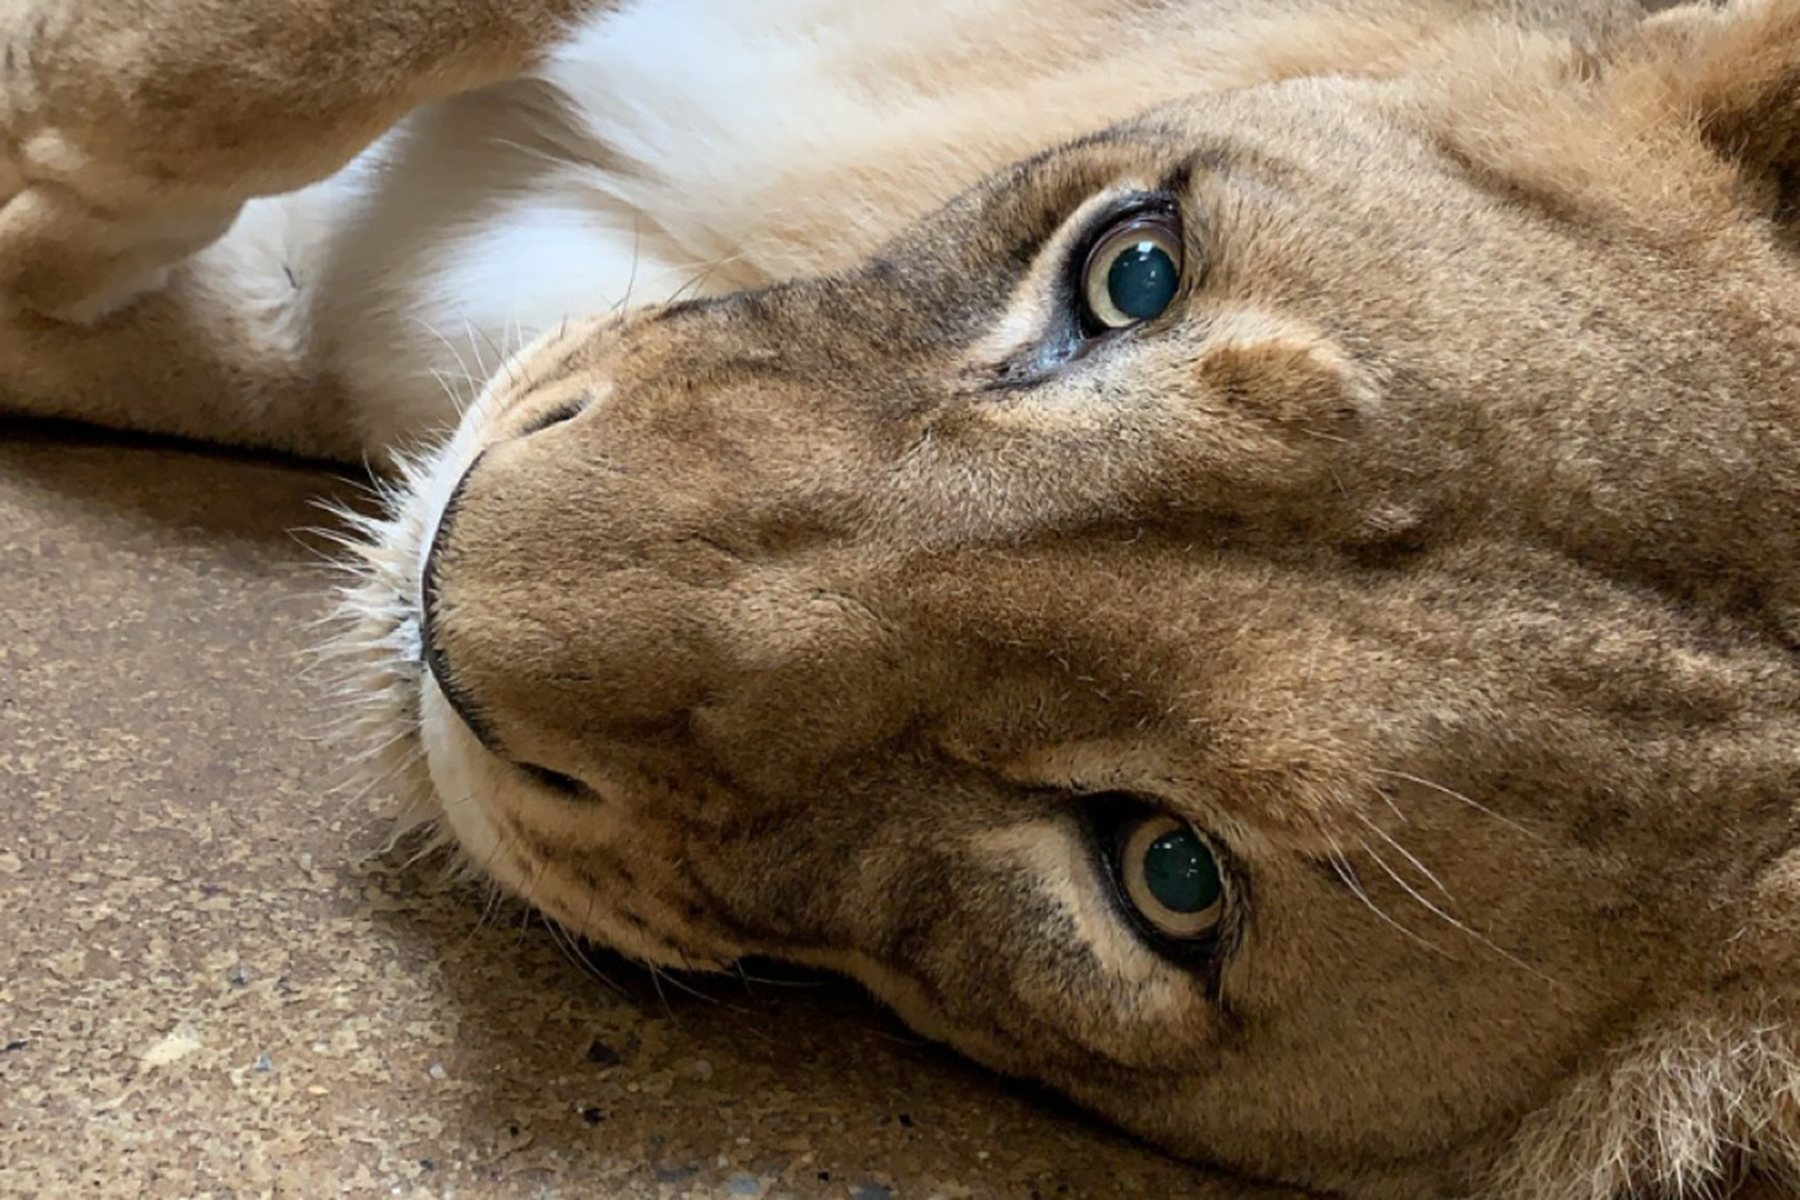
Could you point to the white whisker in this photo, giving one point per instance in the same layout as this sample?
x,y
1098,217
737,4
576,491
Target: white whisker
x,y
1341,866
1453,794
1416,865
1480,939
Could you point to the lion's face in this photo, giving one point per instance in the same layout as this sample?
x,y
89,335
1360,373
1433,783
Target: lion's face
x,y
1275,620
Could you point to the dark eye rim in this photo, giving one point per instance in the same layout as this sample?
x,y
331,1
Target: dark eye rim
x,y
1159,211
1070,335
1110,817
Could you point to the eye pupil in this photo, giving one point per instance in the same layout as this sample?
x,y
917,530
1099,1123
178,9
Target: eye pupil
x,y
1181,873
1169,877
1142,280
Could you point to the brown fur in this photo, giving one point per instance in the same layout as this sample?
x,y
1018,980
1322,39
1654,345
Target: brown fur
x,y
1437,555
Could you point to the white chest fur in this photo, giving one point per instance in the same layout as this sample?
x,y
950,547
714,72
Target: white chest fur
x,y
693,146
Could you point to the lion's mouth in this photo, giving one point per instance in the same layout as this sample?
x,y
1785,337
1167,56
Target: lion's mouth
x,y
464,706
431,649
379,649
416,736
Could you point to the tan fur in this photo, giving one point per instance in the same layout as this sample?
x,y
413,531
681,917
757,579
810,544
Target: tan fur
x,y
1436,555
243,99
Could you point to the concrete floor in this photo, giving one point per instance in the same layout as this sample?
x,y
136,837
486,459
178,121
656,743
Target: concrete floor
x,y
215,982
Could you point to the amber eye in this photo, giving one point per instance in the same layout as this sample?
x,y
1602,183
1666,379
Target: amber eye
x,y
1171,877
1132,273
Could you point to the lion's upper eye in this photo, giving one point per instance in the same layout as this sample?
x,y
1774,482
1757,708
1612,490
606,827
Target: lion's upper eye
x,y
1171,877
1132,273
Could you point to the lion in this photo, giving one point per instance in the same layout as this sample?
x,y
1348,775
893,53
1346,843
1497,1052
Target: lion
x,y
1235,558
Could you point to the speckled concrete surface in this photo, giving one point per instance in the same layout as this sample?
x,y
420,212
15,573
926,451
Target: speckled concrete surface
x,y
214,981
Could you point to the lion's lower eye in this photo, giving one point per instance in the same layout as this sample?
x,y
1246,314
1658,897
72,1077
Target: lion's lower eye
x,y
1132,274
1171,877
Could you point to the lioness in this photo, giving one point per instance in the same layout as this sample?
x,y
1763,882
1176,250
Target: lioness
x,y
1280,619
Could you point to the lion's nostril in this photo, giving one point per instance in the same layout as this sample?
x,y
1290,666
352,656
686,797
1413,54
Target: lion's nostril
x,y
554,416
556,781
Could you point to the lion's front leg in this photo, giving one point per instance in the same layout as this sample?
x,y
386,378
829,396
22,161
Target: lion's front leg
x,y
134,130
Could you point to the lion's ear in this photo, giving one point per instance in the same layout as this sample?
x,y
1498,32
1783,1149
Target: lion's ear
x,y
1734,70
1673,125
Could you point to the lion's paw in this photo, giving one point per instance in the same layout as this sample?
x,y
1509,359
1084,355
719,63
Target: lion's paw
x,y
80,238
91,215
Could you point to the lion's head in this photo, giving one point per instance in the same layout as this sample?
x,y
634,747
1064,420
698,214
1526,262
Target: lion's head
x,y
1278,619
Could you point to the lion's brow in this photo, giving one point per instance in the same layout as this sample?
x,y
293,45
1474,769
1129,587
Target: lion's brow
x,y
1220,157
